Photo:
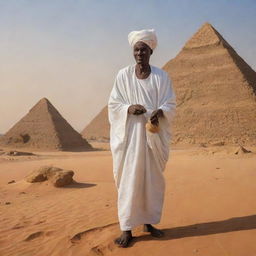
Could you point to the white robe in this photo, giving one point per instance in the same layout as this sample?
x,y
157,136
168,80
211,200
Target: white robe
x,y
139,157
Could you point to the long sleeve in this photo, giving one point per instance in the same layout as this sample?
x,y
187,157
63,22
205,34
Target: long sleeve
x,y
117,110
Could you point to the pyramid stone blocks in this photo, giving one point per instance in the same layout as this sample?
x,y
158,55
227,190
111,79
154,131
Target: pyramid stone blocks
x,y
44,128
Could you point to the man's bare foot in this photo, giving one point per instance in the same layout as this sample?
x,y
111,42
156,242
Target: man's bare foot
x,y
124,239
153,231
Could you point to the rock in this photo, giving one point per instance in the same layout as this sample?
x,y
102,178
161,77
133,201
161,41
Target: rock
x,y
18,153
57,176
51,171
11,181
62,178
37,176
242,150
43,173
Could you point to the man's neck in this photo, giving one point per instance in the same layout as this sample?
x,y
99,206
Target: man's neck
x,y
142,71
143,68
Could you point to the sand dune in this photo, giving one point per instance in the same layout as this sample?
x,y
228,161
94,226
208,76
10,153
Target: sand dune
x,y
209,206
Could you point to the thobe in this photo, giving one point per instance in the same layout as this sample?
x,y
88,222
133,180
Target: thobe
x,y
139,157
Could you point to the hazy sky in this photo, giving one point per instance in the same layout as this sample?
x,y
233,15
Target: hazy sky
x,y
70,50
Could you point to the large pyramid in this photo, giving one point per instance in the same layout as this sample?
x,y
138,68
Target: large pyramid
x,y
216,93
44,128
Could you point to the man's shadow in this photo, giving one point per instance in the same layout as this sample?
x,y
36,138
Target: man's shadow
x,y
208,228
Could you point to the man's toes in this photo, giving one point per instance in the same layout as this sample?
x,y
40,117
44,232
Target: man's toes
x,y
120,241
117,240
125,242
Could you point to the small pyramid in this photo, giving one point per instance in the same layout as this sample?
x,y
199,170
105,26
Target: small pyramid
x,y
44,128
216,93
98,128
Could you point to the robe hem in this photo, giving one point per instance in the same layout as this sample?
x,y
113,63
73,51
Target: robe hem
x,y
126,228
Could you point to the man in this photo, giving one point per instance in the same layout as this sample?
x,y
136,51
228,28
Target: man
x,y
142,93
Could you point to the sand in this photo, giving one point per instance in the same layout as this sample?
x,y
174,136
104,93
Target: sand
x,y
209,207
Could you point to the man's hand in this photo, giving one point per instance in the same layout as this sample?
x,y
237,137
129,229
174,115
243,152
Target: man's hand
x,y
136,110
155,115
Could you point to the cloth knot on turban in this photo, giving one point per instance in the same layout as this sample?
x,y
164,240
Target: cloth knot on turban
x,y
147,36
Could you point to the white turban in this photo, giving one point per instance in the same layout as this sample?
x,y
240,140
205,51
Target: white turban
x,y
147,36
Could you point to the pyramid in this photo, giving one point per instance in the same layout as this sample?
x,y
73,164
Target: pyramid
x,y
44,128
216,93
98,128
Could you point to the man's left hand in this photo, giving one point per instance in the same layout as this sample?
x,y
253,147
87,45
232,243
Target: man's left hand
x,y
155,115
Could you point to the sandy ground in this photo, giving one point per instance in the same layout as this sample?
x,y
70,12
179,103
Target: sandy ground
x,y
209,208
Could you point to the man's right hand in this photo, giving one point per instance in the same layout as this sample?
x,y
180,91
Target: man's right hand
x,y
136,110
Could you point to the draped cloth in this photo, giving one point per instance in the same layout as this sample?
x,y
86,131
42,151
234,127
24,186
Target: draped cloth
x,y
139,157
147,36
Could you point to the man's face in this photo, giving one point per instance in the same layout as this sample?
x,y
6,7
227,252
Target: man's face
x,y
142,53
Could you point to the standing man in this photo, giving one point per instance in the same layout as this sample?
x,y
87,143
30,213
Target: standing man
x,y
142,97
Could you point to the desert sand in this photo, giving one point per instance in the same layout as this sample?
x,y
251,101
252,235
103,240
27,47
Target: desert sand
x,y
209,206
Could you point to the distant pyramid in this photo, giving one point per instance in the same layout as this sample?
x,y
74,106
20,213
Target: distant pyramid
x,y
44,128
98,128
215,90
216,93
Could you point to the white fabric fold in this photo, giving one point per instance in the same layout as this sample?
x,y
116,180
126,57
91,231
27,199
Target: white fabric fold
x,y
147,36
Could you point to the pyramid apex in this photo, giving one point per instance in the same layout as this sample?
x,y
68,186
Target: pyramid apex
x,y
206,35
43,102
207,24
44,99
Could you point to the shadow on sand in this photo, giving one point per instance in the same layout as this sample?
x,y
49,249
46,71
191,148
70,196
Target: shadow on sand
x,y
80,185
208,228
75,150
